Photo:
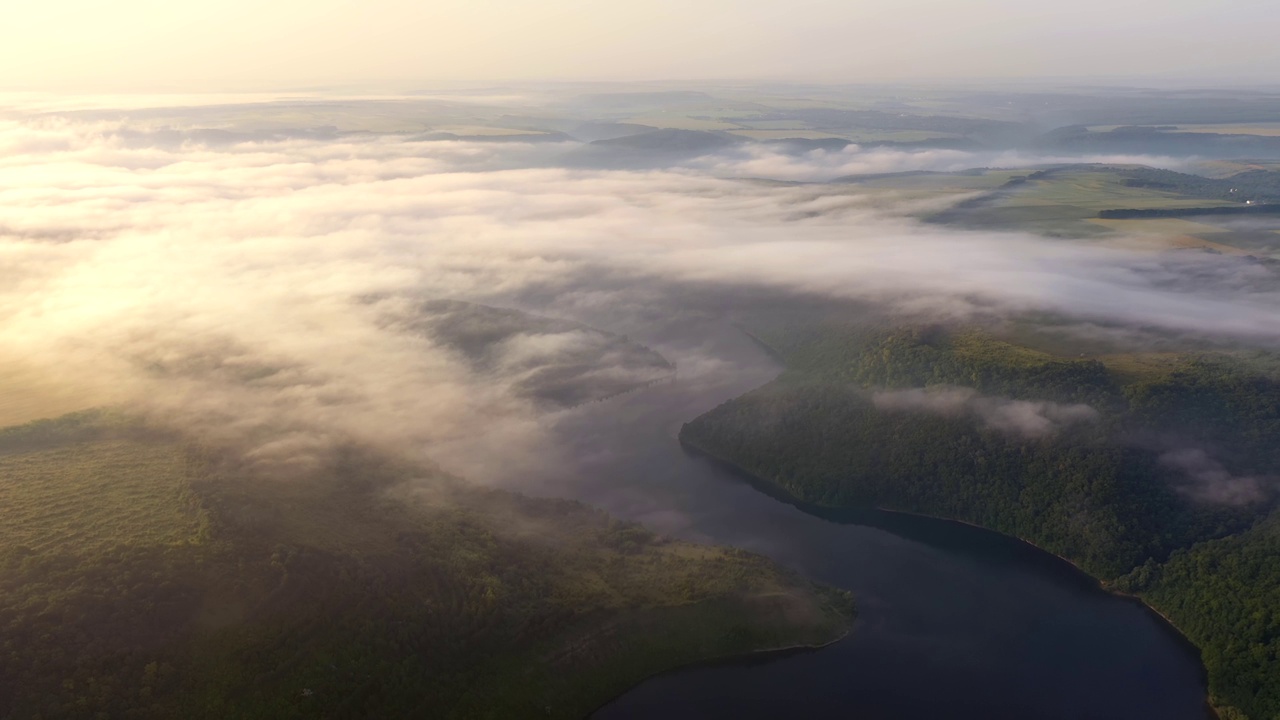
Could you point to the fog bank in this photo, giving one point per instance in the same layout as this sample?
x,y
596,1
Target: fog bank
x,y
241,286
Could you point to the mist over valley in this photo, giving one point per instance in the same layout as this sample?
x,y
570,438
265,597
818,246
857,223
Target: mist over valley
x,y
496,403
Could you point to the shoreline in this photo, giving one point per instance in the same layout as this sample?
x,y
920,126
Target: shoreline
x,y
829,513
762,655
1098,582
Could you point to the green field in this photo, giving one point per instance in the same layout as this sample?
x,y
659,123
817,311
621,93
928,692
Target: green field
x,y
1052,201
1093,190
1227,168
1065,202
84,498
1261,128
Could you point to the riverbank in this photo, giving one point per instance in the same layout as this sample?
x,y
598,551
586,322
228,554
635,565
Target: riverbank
x,y
753,657
874,516
966,619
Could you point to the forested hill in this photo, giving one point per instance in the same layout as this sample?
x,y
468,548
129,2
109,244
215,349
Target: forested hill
x,y
1225,594
1116,462
145,577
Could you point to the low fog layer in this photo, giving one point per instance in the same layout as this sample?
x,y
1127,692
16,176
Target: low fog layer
x,y
1024,418
1206,480
556,363
823,164
243,286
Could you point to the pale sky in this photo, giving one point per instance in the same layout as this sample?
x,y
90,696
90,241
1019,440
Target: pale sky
x,y
199,45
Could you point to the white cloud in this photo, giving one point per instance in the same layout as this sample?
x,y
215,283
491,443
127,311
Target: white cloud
x,y
1025,418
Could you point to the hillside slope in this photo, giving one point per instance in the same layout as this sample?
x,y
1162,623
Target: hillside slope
x,y
1116,463
145,577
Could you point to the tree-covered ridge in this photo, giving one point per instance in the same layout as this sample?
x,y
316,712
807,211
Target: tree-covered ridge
x,y
1225,594
931,355
369,588
1227,402
1103,506
1177,461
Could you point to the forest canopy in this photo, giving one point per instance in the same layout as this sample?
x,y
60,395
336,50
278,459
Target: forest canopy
x,y
1148,472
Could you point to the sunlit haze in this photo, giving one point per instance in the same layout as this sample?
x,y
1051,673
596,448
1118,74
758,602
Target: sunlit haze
x,y
93,45
679,359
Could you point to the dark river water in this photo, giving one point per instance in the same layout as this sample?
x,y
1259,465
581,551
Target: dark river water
x,y
954,621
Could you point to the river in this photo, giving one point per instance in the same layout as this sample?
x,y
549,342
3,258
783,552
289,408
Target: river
x,y
954,621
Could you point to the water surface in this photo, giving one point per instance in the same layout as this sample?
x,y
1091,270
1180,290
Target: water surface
x,y
954,621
